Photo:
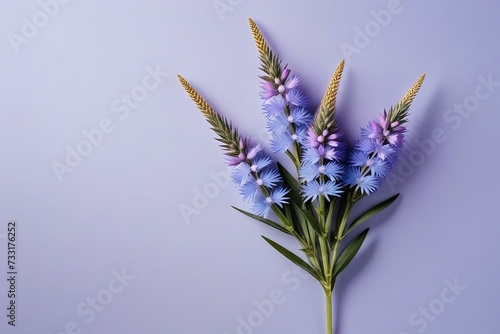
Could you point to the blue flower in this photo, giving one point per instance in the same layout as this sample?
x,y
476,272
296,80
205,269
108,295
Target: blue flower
x,y
249,190
240,174
372,159
296,97
268,178
262,204
310,156
281,142
311,190
254,173
313,155
310,172
386,152
378,167
299,116
358,158
281,122
365,183
365,145
274,106
278,124
260,163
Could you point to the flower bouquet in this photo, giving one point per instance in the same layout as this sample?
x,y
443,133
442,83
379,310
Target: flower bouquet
x,y
312,203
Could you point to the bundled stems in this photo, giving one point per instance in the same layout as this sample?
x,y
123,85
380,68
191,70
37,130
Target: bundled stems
x,y
314,207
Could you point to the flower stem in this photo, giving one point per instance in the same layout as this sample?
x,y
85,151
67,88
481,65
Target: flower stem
x,y
328,299
325,255
341,227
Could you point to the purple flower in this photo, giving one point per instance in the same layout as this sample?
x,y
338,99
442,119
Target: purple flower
x,y
287,119
385,132
313,155
254,173
236,160
268,90
280,86
374,154
325,139
322,163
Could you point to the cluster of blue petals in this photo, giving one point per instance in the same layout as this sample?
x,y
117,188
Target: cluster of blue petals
x,y
285,110
374,154
257,178
322,164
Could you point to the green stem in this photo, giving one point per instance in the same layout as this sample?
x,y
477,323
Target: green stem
x,y
341,227
324,256
294,160
328,299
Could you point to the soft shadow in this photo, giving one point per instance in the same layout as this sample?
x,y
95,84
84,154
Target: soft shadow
x,y
346,277
433,110
346,96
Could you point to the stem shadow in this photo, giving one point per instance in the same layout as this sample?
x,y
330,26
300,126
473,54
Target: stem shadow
x,y
346,277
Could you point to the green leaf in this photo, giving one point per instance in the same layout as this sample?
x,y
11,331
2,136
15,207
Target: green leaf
x,y
295,221
331,210
263,220
294,258
309,218
348,254
292,184
369,213
342,203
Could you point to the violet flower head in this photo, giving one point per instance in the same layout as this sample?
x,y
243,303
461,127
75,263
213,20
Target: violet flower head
x,y
323,160
285,85
285,109
383,130
322,164
257,178
374,154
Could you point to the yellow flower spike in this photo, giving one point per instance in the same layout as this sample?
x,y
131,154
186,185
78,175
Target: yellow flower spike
x,y
259,39
330,97
200,102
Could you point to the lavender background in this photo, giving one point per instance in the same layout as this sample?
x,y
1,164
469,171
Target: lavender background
x,y
120,207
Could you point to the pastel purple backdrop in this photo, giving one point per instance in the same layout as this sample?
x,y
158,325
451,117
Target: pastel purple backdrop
x,y
121,194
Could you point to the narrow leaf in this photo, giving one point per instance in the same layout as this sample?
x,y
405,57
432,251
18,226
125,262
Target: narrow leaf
x,y
369,213
309,218
263,220
348,254
294,258
296,222
336,223
291,183
331,210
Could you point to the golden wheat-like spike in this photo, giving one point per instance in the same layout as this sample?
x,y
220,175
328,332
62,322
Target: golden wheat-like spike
x,y
228,135
399,112
330,97
259,39
412,92
200,102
